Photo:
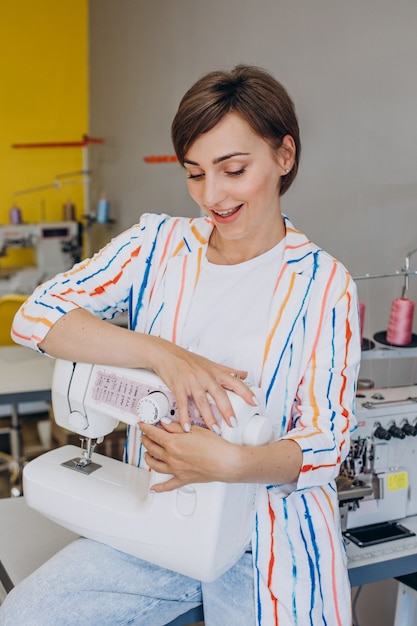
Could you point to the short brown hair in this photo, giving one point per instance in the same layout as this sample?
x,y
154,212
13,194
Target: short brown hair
x,y
247,90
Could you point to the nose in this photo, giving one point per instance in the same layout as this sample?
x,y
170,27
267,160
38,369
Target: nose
x,y
213,191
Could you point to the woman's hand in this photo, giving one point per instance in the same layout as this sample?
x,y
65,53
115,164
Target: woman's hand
x,y
202,456
189,375
196,457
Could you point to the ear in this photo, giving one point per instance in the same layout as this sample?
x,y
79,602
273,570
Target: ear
x,y
286,154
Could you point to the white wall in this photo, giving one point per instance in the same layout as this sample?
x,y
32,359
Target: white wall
x,y
351,69
350,66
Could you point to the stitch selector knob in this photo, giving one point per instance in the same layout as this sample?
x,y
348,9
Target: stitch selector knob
x,y
153,407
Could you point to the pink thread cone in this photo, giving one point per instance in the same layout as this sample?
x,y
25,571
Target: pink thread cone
x,y
400,324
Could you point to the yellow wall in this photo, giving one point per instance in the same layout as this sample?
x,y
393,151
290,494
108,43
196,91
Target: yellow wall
x,y
44,98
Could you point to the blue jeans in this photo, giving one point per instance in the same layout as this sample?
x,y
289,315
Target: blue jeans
x,y
90,583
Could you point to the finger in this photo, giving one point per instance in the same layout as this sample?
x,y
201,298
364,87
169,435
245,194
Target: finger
x,y
155,440
223,405
239,374
168,485
205,409
156,464
222,400
153,458
171,427
182,407
233,382
153,433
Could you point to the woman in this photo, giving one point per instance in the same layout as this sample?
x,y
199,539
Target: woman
x,y
242,292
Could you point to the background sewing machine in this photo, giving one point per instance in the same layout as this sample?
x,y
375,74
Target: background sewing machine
x,y
199,530
377,485
57,247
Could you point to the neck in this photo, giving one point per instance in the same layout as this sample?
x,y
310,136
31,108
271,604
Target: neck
x,y
223,251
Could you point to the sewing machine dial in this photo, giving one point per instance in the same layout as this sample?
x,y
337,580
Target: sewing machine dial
x,y
153,407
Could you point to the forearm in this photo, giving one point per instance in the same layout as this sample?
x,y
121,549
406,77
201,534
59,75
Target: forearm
x,y
275,463
80,336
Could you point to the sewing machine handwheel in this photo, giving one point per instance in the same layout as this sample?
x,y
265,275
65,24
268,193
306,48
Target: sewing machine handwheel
x,y
258,431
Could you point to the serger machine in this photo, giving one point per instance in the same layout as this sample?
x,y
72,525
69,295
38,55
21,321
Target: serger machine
x,y
199,530
57,247
377,485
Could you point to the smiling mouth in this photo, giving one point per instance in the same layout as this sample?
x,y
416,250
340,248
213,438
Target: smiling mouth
x,y
228,212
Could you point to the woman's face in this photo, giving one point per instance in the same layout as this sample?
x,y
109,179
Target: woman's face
x,y
234,175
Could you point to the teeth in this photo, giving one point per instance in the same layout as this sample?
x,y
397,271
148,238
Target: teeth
x,y
225,213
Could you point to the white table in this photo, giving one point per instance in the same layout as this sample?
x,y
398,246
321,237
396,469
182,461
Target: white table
x,y
25,376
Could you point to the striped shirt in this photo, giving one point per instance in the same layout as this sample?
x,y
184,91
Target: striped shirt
x,y
310,361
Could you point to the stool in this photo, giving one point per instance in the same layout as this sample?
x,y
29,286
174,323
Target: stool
x,y
190,617
28,539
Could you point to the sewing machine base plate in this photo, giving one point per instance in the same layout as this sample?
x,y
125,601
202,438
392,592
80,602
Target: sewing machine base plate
x,y
77,466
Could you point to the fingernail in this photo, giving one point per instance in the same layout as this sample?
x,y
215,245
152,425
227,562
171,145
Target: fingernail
x,y
152,491
215,428
255,400
233,422
187,427
166,420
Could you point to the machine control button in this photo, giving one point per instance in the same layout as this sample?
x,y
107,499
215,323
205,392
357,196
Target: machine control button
x,y
396,432
153,407
378,396
258,431
186,500
409,430
381,433
77,421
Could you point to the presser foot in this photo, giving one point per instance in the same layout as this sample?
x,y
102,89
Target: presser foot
x,y
84,464
80,464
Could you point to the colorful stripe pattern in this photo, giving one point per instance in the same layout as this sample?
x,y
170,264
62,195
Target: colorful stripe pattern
x,y
311,360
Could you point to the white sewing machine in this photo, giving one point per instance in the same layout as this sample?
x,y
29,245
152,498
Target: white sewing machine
x,y
57,247
199,530
377,485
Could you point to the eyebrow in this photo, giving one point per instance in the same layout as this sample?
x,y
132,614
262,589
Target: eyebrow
x,y
219,159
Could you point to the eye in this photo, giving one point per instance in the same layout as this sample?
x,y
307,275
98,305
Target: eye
x,y
237,172
194,176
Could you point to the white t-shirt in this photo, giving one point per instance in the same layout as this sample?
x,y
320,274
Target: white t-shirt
x,y
229,313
